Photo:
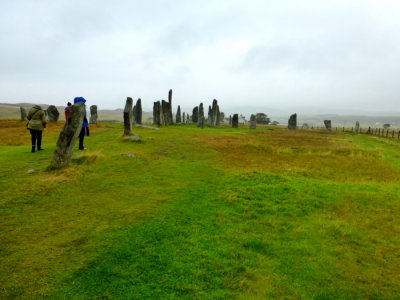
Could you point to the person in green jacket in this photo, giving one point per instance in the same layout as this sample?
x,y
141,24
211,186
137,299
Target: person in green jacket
x,y
36,124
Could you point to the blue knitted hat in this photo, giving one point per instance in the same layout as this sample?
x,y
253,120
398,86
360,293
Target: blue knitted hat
x,y
79,99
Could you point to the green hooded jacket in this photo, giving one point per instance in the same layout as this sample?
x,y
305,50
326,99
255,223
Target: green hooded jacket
x,y
36,117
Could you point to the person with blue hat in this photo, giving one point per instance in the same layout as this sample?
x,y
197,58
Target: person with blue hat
x,y
85,125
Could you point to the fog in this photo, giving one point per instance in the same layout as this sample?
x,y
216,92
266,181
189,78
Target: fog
x,y
283,56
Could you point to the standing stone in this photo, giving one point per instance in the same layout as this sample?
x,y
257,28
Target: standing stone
x,y
52,113
178,115
93,114
183,118
68,136
292,123
209,115
200,121
128,116
328,125
165,114
138,112
214,114
156,113
170,119
357,128
253,122
23,114
235,121
134,115
230,120
195,115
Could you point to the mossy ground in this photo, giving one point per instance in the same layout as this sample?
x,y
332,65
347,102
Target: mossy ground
x,y
201,214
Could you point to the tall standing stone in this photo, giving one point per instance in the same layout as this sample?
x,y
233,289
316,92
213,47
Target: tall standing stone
x,y
137,115
156,113
200,121
23,114
328,125
292,123
214,114
253,122
183,118
230,120
52,113
68,136
235,121
128,116
178,115
93,114
170,107
357,128
195,115
165,115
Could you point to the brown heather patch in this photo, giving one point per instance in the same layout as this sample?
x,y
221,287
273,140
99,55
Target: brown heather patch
x,y
309,153
15,132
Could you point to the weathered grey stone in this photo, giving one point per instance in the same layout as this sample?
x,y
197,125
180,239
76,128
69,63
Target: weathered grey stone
x,y
178,115
214,114
328,125
292,123
357,128
93,114
67,138
128,116
52,113
23,114
133,138
230,120
305,125
170,119
195,115
200,121
183,118
235,121
31,171
137,112
253,122
165,113
129,155
157,113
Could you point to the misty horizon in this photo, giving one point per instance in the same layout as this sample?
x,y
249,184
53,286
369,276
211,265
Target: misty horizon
x,y
313,57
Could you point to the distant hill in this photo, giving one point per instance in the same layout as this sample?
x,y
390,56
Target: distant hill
x,y
11,111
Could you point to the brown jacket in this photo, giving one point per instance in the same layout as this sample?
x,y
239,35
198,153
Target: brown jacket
x,y
36,117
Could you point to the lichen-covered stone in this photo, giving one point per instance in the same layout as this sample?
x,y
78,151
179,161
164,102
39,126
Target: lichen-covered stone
x,y
157,113
128,116
68,136
253,122
292,123
328,125
23,114
178,115
93,114
200,121
53,113
195,115
137,114
235,121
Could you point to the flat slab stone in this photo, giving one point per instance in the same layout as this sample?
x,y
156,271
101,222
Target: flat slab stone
x,y
147,126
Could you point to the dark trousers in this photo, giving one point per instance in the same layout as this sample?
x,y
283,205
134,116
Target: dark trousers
x,y
81,137
36,136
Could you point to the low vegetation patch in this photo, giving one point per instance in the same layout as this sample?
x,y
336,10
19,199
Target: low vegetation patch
x,y
201,213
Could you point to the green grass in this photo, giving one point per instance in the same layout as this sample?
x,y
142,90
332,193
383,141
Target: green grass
x,y
203,214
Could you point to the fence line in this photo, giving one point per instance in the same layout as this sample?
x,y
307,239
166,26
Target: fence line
x,y
389,133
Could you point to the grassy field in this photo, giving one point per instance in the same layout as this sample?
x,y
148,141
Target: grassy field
x,y
217,213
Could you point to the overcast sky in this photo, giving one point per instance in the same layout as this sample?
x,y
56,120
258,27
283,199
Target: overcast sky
x,y
320,56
